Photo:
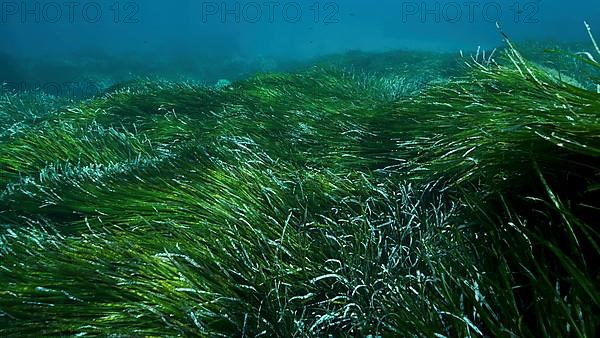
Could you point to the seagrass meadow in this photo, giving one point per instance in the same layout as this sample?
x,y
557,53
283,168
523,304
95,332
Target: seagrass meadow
x,y
410,201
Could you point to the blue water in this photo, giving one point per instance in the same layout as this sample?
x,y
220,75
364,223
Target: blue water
x,y
266,32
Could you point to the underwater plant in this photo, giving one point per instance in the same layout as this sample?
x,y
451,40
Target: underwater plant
x,y
308,204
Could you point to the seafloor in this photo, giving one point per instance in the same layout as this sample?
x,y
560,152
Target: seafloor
x,y
383,195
